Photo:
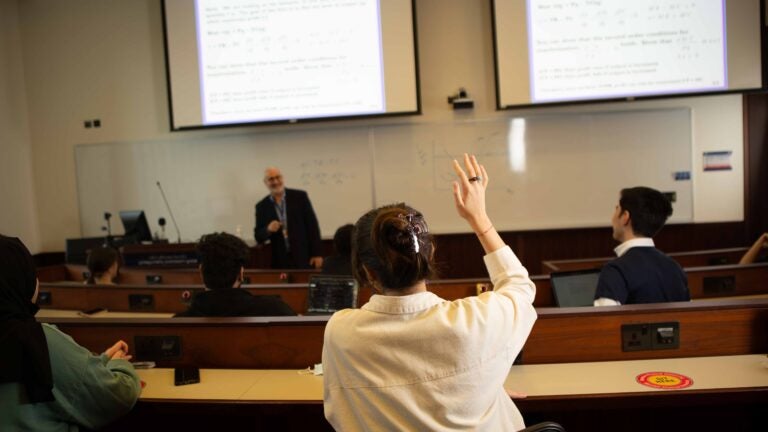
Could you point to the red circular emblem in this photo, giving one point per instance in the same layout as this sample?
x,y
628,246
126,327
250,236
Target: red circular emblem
x,y
664,380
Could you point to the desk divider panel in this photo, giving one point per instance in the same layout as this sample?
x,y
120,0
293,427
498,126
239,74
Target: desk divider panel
x,y
160,276
702,258
561,335
703,283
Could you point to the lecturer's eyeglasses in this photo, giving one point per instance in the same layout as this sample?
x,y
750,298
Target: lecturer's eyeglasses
x,y
273,178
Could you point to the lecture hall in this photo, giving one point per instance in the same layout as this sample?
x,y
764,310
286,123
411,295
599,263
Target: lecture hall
x,y
539,215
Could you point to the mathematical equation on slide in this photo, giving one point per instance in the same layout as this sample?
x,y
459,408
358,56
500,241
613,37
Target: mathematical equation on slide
x,y
603,48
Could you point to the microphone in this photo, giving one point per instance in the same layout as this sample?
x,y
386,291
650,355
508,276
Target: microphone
x,y
161,222
108,228
173,219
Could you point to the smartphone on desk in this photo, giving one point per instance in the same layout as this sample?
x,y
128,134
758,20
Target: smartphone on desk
x,y
186,375
89,312
143,364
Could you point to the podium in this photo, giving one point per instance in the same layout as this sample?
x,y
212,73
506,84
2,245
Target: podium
x,y
182,255
168,255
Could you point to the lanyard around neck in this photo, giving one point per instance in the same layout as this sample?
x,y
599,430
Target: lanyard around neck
x,y
281,210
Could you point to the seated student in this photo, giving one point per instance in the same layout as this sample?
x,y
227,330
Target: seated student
x,y
222,260
103,265
641,273
47,381
409,360
754,253
341,263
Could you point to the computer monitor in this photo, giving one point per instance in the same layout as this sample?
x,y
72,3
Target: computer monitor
x,y
327,294
77,249
575,288
136,226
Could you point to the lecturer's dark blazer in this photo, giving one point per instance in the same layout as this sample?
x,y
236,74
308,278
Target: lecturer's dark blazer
x,y
303,230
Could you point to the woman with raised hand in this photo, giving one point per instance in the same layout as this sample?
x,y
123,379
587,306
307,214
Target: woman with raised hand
x,y
47,381
409,360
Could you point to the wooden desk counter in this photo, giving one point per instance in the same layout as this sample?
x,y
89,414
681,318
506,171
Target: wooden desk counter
x,y
537,381
601,396
267,386
591,378
67,313
729,393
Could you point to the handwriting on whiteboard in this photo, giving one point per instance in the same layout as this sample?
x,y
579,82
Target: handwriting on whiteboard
x,y
324,172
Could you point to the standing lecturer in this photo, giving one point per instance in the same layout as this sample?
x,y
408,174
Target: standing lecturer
x,y
285,217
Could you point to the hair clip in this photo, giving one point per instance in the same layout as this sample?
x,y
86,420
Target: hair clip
x,y
414,229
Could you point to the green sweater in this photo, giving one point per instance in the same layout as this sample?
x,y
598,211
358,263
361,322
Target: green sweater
x,y
90,390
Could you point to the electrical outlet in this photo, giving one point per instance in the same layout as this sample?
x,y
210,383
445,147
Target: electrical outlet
x,y
141,302
154,279
719,285
665,335
157,347
635,337
650,336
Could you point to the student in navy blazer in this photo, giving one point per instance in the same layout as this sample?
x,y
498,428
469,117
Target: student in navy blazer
x,y
641,273
285,217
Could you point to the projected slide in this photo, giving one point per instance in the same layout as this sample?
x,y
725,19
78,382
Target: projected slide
x,y
272,60
560,51
235,62
587,49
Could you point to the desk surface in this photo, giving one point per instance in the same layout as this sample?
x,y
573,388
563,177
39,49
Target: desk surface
x,y
744,297
619,377
63,313
235,385
707,373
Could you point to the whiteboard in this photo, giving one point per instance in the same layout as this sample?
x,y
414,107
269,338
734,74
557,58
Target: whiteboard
x,y
547,171
213,183
559,171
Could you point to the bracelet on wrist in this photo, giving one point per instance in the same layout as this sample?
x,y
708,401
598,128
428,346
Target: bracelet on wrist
x,y
484,232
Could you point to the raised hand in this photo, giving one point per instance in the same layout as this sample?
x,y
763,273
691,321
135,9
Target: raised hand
x,y
469,197
469,192
753,252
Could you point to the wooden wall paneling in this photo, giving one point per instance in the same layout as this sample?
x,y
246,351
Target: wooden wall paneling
x,y
727,327
210,342
460,255
703,282
756,163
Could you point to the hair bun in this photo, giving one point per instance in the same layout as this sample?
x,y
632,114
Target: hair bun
x,y
397,233
394,244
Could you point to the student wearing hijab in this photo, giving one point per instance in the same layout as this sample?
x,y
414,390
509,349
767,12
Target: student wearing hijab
x,y
47,381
